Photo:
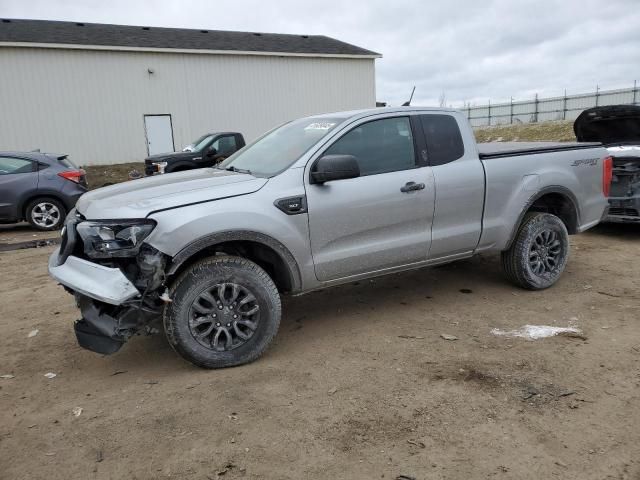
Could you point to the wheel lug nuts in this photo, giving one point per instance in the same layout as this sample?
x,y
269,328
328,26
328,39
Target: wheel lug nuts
x,y
215,315
235,316
228,324
217,324
220,307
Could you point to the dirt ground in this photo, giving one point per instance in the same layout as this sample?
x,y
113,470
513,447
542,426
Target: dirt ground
x,y
102,175
358,385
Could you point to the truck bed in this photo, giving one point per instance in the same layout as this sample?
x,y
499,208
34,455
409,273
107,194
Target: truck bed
x,y
511,149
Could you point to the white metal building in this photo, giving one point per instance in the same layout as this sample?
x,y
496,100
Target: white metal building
x,y
112,94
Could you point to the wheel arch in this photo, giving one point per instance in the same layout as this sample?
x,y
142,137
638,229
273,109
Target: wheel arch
x,y
557,200
267,252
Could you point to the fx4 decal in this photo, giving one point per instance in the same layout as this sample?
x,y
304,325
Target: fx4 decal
x,y
586,161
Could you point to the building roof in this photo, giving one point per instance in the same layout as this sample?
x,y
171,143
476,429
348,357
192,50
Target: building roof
x,y
98,35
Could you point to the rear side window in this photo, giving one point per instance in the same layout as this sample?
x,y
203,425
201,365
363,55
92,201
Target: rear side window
x,y
444,142
380,146
10,165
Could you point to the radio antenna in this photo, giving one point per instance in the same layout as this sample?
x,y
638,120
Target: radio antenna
x,y
408,104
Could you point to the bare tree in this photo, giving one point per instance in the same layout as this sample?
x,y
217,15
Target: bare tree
x,y
442,100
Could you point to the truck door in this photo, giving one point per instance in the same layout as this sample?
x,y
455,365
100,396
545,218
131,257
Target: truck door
x,y
373,222
459,186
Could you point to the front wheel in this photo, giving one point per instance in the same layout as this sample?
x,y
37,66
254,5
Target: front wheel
x,y
225,312
539,252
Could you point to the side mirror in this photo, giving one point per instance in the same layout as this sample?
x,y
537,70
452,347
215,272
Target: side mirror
x,y
335,167
212,152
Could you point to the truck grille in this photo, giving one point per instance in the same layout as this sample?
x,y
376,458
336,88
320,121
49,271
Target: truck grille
x,y
623,212
69,243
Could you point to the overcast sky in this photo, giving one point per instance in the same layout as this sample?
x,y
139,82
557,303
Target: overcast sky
x,y
468,50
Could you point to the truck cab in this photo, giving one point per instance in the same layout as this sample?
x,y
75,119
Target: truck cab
x,y
206,151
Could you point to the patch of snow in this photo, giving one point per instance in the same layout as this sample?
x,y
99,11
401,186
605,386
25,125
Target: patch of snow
x,y
51,375
33,333
535,332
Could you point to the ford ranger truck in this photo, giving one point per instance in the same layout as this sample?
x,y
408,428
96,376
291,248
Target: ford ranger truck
x,y
618,128
206,254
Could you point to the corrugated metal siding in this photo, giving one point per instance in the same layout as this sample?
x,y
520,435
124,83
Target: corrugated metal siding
x,y
90,104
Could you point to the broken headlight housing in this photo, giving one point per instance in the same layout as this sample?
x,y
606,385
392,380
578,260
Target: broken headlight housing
x,y
106,239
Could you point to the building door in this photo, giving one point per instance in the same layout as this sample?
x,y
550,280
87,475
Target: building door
x,y
159,134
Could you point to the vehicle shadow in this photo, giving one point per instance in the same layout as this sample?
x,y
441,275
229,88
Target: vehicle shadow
x,y
393,295
16,227
319,315
627,230
23,232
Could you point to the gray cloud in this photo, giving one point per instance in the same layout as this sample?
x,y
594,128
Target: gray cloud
x,y
470,50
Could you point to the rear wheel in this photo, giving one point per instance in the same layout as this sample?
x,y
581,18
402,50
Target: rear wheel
x,y
225,312
45,213
539,253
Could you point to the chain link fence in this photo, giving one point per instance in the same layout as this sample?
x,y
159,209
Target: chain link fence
x,y
566,107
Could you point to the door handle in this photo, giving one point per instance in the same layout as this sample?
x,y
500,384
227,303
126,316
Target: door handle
x,y
412,186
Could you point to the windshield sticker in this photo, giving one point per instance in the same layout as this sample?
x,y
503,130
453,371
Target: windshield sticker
x,y
319,126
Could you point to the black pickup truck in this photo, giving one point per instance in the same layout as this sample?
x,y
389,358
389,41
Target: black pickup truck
x,y
206,151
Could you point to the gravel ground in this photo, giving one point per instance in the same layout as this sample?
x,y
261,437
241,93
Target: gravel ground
x,y
360,383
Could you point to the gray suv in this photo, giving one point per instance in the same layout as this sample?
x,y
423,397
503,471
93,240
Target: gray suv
x,y
320,201
39,188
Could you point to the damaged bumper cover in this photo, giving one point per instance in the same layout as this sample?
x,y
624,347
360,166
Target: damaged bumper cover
x,y
112,308
108,285
624,210
104,328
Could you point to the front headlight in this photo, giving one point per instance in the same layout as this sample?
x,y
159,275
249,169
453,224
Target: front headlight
x,y
114,238
160,166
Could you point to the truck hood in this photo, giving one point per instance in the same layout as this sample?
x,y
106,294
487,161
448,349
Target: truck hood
x,y
138,198
175,156
610,124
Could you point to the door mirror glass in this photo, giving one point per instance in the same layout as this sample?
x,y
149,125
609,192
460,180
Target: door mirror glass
x,y
335,167
212,151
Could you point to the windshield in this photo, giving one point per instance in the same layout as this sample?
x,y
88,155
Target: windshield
x,y
199,144
279,148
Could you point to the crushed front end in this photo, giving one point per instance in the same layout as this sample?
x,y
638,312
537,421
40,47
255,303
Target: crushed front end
x,y
116,279
624,199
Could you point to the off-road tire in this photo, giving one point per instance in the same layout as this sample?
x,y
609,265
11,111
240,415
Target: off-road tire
x,y
57,204
206,274
516,261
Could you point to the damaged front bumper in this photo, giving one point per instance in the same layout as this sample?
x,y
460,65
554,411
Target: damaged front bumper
x,y
108,285
113,307
105,328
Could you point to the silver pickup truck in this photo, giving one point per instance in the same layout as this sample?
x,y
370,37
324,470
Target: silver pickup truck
x,y
317,202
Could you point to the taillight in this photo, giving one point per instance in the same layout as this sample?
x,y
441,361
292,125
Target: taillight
x,y
73,175
607,175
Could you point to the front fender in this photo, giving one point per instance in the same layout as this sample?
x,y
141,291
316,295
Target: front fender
x,y
182,232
